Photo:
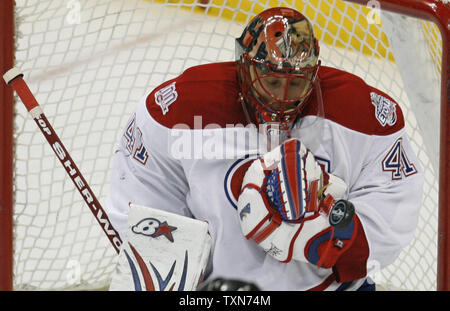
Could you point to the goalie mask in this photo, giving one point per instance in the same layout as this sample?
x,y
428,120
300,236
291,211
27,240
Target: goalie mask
x,y
277,65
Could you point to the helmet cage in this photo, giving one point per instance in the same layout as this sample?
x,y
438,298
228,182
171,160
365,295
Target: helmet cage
x,y
267,106
277,64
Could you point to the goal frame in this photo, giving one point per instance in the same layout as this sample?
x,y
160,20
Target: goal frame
x,y
430,10
7,144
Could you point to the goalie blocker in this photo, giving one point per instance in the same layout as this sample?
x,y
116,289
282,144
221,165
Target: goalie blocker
x,y
162,251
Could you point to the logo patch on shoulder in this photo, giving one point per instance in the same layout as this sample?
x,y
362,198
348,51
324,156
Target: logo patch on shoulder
x,y
166,97
385,109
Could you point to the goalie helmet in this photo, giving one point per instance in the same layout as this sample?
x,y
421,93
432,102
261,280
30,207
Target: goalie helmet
x,y
277,60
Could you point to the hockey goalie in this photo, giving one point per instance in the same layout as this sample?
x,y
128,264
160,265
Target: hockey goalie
x,y
301,175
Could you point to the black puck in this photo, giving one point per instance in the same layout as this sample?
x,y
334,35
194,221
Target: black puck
x,y
341,214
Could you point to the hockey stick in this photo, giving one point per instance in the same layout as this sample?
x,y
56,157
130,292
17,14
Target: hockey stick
x,y
14,78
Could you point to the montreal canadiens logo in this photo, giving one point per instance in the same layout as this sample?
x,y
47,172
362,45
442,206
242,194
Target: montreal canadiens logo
x,y
235,176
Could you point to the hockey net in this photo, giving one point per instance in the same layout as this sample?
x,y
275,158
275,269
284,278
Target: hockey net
x,y
89,62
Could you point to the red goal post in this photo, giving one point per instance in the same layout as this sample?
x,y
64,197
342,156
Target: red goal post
x,y
6,143
435,11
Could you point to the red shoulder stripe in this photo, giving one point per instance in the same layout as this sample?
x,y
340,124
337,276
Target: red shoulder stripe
x,y
202,96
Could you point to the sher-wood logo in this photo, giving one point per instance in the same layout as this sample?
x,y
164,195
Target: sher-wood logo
x,y
78,180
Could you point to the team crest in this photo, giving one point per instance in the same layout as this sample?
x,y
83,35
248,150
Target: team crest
x,y
385,109
166,97
233,180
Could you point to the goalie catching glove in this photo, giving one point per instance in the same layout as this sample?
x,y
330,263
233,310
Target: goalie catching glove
x,y
293,209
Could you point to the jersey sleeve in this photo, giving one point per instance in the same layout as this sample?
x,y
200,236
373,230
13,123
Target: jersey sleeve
x,y
387,195
372,153
143,172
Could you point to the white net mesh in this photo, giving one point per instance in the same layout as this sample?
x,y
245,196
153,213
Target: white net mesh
x,y
89,62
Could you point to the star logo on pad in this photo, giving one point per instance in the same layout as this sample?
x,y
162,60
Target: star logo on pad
x,y
152,227
165,229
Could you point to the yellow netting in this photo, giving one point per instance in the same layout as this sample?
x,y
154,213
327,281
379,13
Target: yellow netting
x,y
346,25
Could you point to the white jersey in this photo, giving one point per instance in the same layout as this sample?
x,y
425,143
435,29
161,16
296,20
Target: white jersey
x,y
187,145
